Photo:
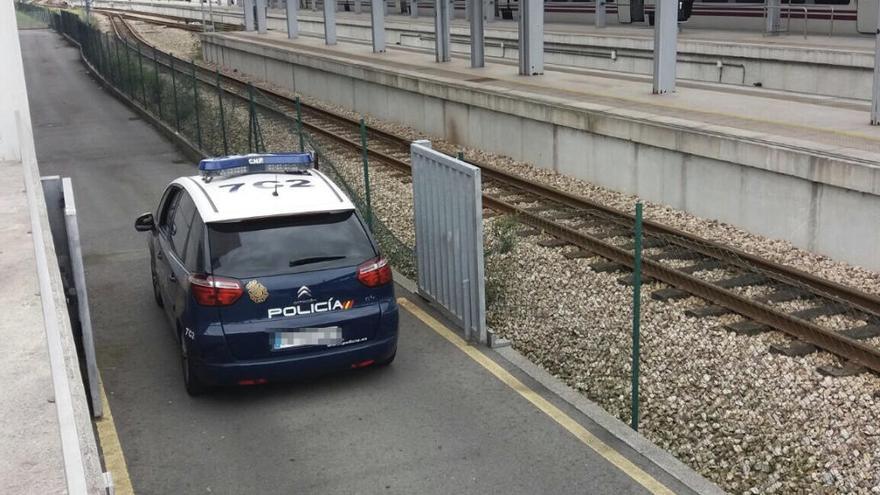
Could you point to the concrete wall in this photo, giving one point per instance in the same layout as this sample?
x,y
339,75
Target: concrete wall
x,y
824,71
14,111
779,192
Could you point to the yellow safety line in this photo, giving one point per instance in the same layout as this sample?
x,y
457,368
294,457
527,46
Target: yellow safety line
x,y
581,433
114,458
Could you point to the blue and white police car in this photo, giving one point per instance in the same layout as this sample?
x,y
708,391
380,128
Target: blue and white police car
x,y
266,272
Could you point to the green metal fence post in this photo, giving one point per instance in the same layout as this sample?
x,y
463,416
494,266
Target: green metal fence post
x,y
128,70
158,85
174,89
637,307
299,126
366,159
196,103
105,47
222,116
143,82
118,63
251,130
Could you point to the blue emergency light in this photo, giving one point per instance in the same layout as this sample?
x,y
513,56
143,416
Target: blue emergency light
x,y
229,166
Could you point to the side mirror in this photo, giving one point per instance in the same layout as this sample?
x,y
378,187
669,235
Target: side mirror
x,y
145,223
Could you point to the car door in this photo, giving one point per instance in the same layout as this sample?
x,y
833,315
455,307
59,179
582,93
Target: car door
x,y
162,244
178,276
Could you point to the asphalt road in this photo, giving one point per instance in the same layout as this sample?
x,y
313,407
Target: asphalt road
x,y
433,422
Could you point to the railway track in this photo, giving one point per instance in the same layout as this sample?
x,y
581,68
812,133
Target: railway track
x,y
168,20
676,258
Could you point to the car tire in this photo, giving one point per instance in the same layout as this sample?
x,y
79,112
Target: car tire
x,y
387,361
156,295
194,386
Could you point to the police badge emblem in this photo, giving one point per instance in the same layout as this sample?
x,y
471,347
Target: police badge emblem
x,y
257,291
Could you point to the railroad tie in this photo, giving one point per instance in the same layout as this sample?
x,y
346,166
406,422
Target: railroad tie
x,y
630,280
567,215
607,267
706,264
784,295
863,332
580,253
824,310
528,232
744,280
647,243
678,254
610,232
669,294
746,327
847,369
552,243
541,208
795,348
707,311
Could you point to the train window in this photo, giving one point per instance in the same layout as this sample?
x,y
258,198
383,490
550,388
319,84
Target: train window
x,y
831,2
749,1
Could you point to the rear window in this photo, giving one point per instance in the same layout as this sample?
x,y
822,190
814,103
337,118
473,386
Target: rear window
x,y
278,246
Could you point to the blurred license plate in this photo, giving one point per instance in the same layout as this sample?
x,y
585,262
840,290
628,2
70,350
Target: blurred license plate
x,y
306,337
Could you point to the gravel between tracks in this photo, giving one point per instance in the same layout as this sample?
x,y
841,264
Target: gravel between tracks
x,y
751,421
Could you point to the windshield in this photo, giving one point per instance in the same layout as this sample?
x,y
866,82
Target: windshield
x,y
278,246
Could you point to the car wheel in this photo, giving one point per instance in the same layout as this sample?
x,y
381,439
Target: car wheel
x,y
193,385
387,361
156,294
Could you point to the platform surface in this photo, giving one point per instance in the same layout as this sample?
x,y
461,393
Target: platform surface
x,y
436,421
815,123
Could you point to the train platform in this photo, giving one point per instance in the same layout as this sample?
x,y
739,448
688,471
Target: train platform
x,y
446,417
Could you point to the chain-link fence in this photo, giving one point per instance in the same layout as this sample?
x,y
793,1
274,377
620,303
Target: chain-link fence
x,y
217,115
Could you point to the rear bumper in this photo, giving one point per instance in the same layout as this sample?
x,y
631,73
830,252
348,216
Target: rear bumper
x,y
293,367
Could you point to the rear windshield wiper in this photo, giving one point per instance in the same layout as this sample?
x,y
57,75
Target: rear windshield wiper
x,y
314,259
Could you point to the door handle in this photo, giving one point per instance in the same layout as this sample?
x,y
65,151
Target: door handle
x,y
172,277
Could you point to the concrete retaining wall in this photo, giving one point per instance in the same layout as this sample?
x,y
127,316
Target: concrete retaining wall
x,y
816,201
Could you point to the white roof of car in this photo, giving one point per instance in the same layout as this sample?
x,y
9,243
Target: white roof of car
x,y
254,195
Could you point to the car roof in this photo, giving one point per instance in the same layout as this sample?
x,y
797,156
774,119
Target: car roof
x,y
262,195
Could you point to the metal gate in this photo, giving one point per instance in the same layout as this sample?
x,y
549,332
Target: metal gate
x,y
449,236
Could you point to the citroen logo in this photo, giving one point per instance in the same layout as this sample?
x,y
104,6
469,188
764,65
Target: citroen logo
x,y
303,292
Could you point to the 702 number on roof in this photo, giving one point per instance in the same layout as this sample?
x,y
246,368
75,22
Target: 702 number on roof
x,y
269,184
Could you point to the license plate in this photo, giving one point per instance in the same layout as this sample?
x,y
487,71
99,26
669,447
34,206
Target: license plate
x,y
326,336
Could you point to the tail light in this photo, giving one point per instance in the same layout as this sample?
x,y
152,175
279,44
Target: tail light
x,y
214,291
374,272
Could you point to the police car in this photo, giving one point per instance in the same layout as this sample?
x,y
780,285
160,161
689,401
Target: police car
x,y
266,272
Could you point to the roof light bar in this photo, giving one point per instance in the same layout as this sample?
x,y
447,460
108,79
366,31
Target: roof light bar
x,y
229,166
